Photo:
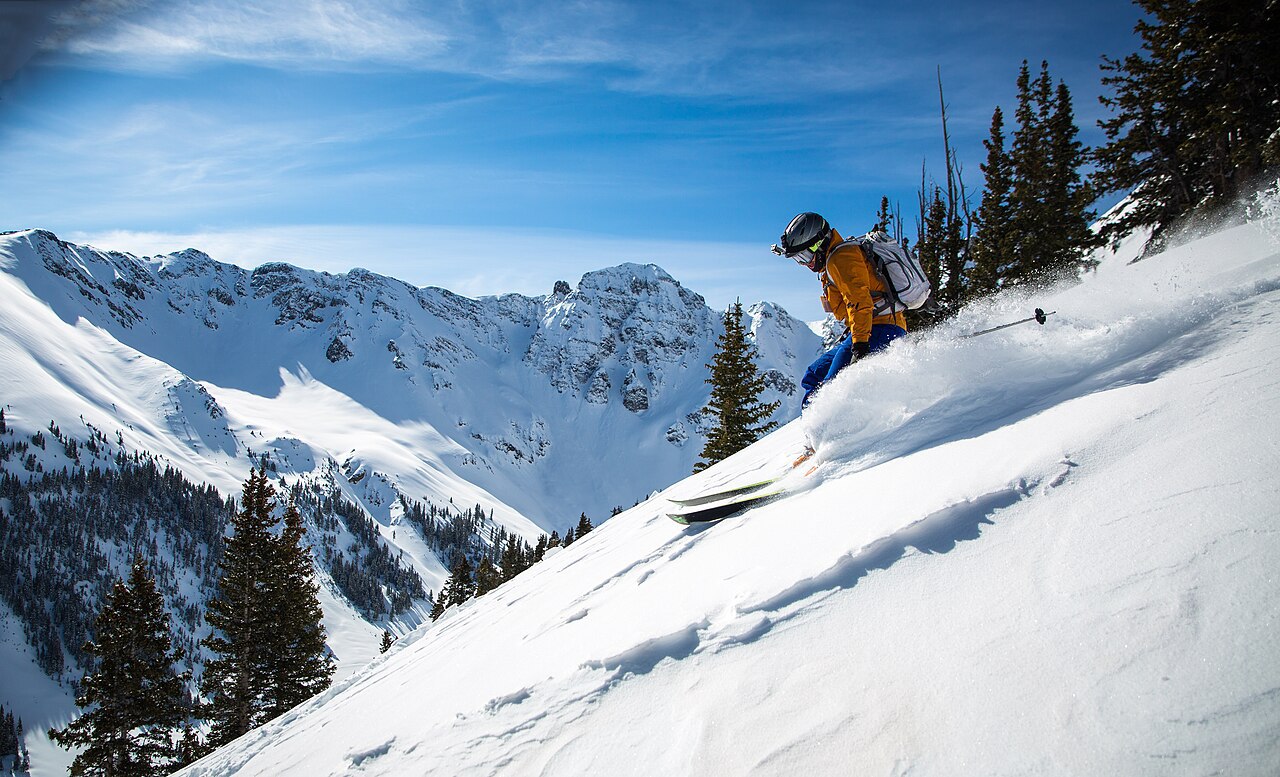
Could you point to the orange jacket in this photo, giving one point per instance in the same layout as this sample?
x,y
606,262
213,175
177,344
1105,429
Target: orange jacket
x,y
847,283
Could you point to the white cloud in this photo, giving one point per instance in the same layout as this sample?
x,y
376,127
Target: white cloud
x,y
706,49
324,34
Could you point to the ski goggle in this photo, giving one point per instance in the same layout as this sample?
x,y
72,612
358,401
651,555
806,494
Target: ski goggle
x,y
807,256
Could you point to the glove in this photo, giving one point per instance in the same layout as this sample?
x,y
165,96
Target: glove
x,y
861,350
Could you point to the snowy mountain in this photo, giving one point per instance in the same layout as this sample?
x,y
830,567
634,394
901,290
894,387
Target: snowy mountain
x,y
505,401
1050,550
371,399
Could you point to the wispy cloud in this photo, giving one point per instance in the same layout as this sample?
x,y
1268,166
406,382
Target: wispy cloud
x,y
319,34
708,49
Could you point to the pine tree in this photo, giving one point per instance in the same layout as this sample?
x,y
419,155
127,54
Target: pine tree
x,y
584,526
137,697
1194,115
8,740
514,559
387,641
995,243
1044,231
1028,158
299,662
191,746
488,577
888,220
931,238
241,614
460,586
736,385
1067,196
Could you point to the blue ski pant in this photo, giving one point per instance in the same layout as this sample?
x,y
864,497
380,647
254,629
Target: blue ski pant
x,y
825,367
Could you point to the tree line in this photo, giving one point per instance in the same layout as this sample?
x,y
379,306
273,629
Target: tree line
x,y
149,685
1194,126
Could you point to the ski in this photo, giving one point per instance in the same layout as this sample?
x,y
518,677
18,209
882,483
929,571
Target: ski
x,y
724,502
741,489
716,496
732,505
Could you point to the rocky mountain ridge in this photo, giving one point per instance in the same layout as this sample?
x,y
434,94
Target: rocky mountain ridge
x,y
513,388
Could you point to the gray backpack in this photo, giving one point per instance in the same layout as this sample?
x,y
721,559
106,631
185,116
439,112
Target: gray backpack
x,y
907,287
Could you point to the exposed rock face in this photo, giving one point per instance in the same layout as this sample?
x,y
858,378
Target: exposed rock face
x,y
629,326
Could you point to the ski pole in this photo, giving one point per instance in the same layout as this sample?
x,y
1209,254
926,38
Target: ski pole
x,y
1039,318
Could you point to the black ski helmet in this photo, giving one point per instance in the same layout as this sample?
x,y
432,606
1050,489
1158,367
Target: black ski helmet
x,y
803,233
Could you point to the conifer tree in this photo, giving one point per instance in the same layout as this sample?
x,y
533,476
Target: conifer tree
x,y
387,641
191,746
932,235
299,662
1043,230
995,243
888,220
241,615
1195,114
1030,172
584,525
513,559
460,586
134,699
1067,196
487,577
736,385
8,739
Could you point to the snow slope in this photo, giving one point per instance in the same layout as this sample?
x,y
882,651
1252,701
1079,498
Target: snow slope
x,y
1051,550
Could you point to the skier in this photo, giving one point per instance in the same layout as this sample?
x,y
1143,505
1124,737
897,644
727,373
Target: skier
x,y
849,283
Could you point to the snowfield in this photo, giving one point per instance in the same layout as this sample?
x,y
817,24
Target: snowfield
x,y
1049,550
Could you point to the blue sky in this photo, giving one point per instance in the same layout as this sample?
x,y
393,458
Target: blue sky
x,y
490,147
